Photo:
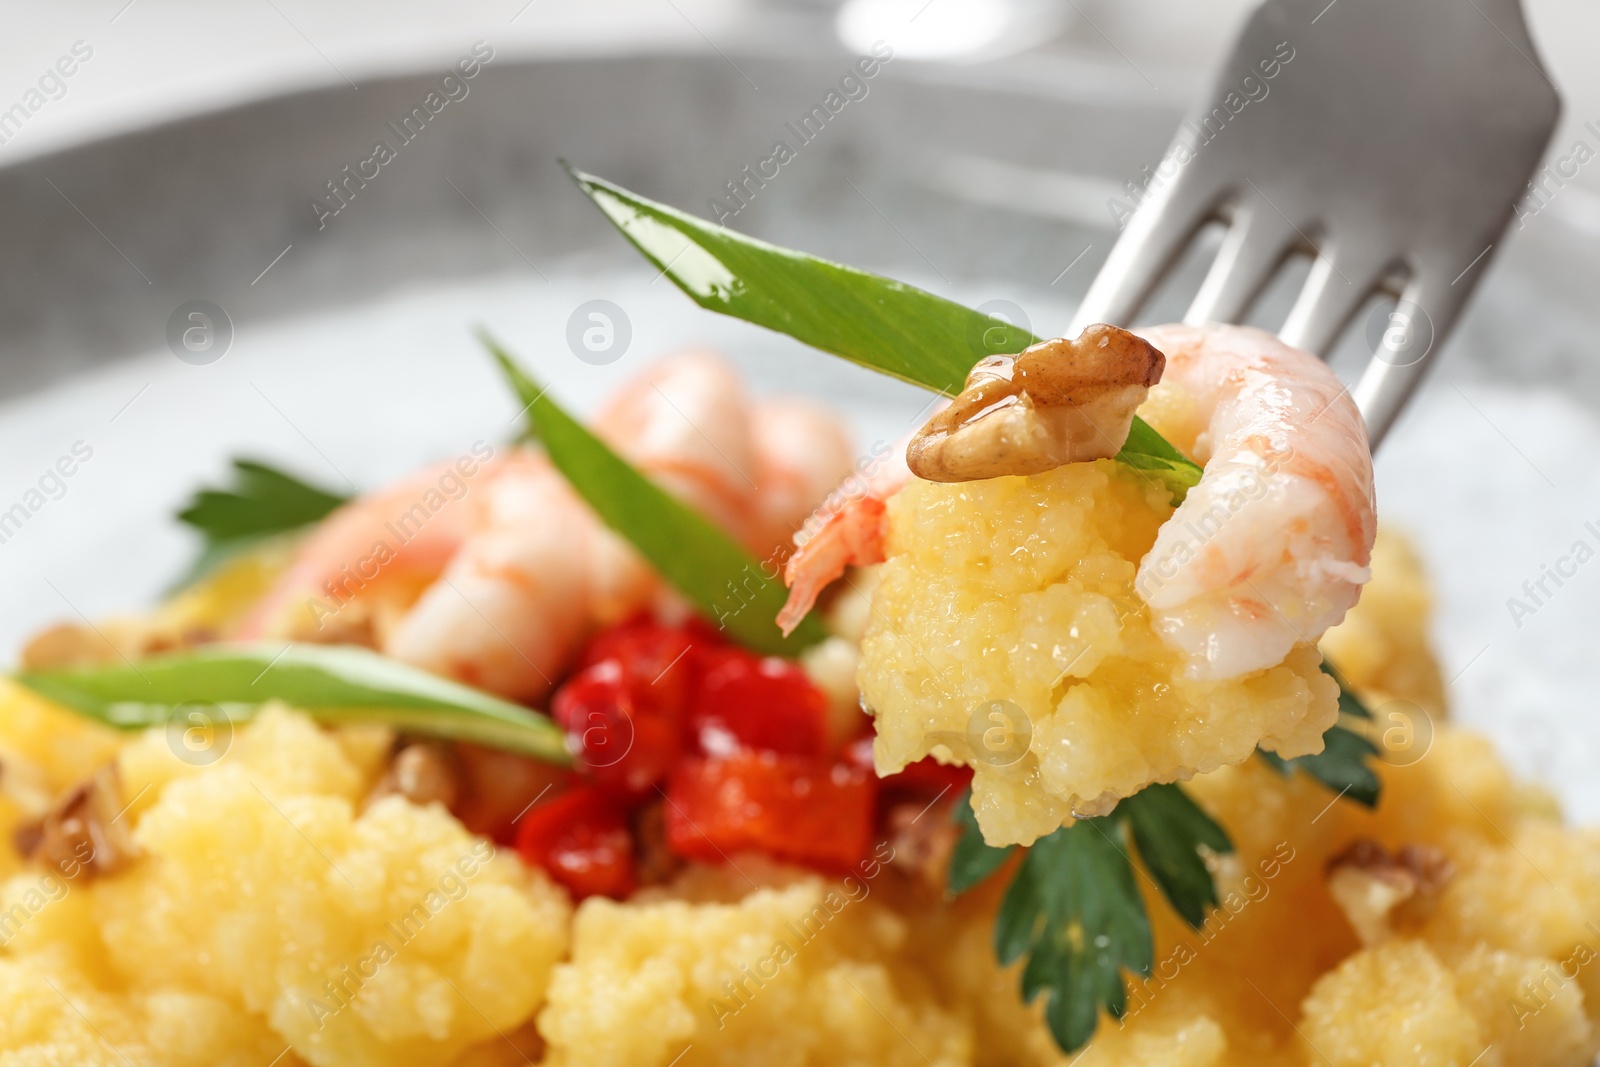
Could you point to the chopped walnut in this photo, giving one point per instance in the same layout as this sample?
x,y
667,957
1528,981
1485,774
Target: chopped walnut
x,y
923,837
654,862
83,833
1369,883
424,772
1055,403
352,624
114,641
498,787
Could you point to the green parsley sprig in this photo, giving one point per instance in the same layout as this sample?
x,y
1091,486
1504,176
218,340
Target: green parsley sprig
x,y
1073,907
263,502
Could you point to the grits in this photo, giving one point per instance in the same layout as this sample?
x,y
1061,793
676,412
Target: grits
x,y
247,931
1022,589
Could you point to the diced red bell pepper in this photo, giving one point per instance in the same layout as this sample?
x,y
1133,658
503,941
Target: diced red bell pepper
x,y
657,660
752,702
797,808
581,839
620,738
929,776
925,778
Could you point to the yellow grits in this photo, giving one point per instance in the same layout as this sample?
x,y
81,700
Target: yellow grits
x,y
1021,590
248,932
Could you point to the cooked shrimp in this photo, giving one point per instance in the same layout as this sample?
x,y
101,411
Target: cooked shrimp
x,y
685,422
850,529
757,469
1272,547
375,553
802,452
497,588
514,603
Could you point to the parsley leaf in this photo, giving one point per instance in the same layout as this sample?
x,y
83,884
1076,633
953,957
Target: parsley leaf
x,y
1073,907
1170,830
1075,911
1341,765
1349,703
262,502
973,858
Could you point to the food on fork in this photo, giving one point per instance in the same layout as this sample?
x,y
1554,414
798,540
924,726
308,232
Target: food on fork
x,y
1072,636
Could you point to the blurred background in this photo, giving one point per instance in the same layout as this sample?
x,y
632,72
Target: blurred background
x,y
188,162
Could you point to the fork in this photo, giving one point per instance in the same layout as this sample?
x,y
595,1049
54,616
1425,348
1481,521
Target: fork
x,y
1391,140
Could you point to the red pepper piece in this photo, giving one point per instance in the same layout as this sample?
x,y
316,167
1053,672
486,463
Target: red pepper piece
x,y
753,702
925,778
621,736
581,839
796,808
657,661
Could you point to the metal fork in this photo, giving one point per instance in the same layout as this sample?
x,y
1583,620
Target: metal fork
x,y
1389,138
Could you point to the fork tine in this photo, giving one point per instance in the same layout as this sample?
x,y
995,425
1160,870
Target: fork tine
x,y
1158,232
1432,307
1255,246
1334,290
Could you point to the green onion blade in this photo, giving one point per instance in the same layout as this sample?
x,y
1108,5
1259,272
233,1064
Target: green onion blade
x,y
870,320
333,684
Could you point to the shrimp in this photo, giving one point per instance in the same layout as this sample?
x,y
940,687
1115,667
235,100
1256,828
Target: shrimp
x,y
500,585
495,588
801,452
1271,548
757,470
685,423
513,604
375,553
851,529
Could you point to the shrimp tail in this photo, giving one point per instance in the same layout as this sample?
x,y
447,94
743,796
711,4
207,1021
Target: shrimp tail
x,y
850,529
852,535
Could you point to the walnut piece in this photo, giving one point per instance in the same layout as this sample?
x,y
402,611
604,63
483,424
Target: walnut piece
x,y
1369,883
113,641
424,772
83,834
654,861
1058,402
923,837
